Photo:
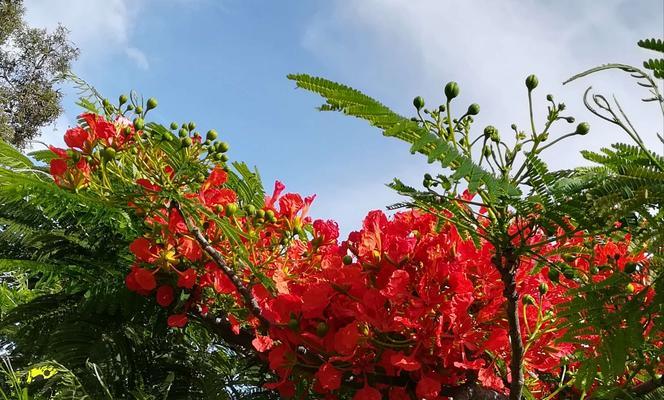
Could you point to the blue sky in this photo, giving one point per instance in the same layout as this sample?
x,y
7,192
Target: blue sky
x,y
223,64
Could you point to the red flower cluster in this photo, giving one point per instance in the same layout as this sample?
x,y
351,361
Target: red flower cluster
x,y
72,168
406,304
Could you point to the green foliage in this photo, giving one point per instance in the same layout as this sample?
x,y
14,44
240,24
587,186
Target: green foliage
x,y
63,259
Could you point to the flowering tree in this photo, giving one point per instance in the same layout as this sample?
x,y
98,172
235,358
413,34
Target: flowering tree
x,y
466,294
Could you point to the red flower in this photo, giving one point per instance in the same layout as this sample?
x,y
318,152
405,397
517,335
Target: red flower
x,y
187,279
189,248
145,279
399,360
398,393
148,185
367,393
176,223
141,247
427,388
216,178
329,377
165,295
58,167
397,286
346,339
177,320
262,343
76,137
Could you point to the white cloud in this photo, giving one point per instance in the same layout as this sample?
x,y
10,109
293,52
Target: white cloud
x,y
100,28
396,49
138,57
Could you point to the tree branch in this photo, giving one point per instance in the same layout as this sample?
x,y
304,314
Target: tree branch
x,y
218,258
508,276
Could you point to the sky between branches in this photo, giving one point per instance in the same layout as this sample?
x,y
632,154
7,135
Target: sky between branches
x,y
223,64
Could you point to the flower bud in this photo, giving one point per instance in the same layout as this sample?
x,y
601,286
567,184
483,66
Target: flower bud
x,y
294,324
231,209
123,99
269,215
152,103
211,135
183,132
473,109
322,329
418,102
107,153
347,260
554,275
492,133
582,129
531,82
630,288
528,299
223,147
543,288
549,97
487,151
174,126
191,126
186,141
139,110
441,108
451,90
250,209
570,120
139,124
129,107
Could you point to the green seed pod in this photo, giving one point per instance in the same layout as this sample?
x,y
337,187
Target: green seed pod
x,y
186,141
231,209
543,288
418,102
569,273
223,147
123,99
191,126
531,82
211,135
528,299
107,153
451,90
174,126
139,124
139,110
473,109
347,260
152,103
322,329
554,275
183,133
582,129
